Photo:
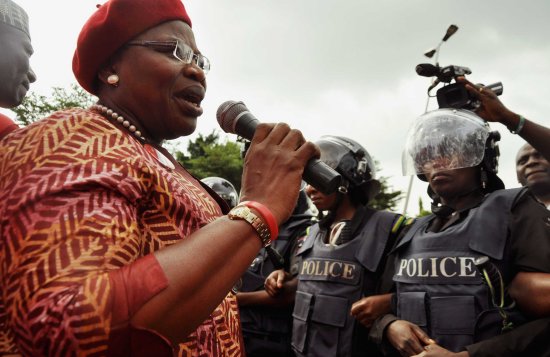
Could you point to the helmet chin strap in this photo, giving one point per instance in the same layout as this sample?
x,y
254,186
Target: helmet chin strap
x,y
445,210
327,221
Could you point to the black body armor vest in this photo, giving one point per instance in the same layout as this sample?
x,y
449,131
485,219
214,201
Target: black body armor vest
x,y
439,287
331,279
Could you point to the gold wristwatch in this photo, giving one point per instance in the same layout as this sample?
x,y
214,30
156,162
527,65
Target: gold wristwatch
x,y
243,212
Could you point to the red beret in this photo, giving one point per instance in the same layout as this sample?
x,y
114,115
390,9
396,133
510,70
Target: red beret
x,y
111,26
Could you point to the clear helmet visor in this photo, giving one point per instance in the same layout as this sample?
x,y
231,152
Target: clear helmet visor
x,y
331,153
444,139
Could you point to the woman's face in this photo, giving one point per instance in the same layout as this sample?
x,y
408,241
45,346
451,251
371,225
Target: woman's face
x,y
160,92
320,200
452,183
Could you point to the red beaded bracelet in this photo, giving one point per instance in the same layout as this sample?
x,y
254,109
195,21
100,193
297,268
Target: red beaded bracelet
x,y
267,216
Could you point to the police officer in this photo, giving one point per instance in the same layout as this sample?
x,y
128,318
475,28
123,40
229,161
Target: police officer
x,y
267,321
453,266
341,258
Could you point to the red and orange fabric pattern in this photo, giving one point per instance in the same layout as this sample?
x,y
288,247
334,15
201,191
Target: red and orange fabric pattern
x,y
82,206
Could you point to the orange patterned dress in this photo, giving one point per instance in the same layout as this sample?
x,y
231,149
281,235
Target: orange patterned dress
x,y
82,206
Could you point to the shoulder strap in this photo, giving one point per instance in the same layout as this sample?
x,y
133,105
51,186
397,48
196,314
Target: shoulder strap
x,y
310,239
496,205
375,237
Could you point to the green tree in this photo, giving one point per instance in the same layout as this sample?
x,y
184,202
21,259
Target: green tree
x,y
35,107
387,199
208,156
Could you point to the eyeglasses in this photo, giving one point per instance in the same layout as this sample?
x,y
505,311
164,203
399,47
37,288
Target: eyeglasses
x,y
180,51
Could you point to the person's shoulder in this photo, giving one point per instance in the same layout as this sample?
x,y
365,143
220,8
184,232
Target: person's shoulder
x,y
71,136
81,119
5,121
402,227
61,123
526,202
400,222
6,125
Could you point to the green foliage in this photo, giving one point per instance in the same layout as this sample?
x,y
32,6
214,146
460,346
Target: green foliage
x,y
386,199
35,107
421,211
210,157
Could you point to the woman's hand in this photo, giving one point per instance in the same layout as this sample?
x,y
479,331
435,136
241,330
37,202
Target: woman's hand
x,y
273,167
434,350
407,338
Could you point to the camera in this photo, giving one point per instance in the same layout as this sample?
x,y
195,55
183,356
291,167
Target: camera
x,y
453,95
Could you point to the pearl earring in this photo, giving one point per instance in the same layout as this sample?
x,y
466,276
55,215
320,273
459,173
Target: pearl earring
x,y
113,80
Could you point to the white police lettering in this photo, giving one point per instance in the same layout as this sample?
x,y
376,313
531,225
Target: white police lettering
x,y
435,267
328,268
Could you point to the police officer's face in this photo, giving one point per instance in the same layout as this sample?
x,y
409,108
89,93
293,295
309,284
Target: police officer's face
x,y
320,200
532,169
452,183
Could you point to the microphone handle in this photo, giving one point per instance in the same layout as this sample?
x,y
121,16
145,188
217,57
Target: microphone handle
x,y
276,258
316,173
245,125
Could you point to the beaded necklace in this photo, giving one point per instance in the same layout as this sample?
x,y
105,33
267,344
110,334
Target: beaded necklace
x,y
111,114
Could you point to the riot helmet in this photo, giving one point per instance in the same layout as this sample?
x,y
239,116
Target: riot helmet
x,y
449,139
223,188
354,163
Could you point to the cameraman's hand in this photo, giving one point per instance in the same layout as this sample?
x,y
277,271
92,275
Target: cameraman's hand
x,y
491,108
407,338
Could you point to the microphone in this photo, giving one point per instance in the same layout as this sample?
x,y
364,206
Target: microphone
x,y
427,70
235,118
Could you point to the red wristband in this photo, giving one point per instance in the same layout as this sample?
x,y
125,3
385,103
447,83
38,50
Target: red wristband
x,y
267,216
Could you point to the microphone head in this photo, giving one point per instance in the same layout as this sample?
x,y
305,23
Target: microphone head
x,y
427,70
228,113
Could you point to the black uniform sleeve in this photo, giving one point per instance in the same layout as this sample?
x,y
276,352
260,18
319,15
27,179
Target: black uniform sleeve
x,y
530,250
530,339
386,285
530,235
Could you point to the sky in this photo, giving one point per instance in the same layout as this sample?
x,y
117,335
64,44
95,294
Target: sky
x,y
339,67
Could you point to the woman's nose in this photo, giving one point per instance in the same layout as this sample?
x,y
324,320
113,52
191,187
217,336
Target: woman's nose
x,y
310,190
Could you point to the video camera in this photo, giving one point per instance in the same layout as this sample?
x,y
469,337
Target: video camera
x,y
453,95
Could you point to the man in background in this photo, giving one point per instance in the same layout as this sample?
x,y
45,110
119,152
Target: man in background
x,y
16,74
533,171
